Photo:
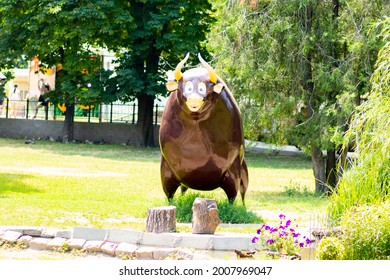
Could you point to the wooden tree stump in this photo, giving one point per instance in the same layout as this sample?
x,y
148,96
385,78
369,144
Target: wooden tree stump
x,y
161,219
204,216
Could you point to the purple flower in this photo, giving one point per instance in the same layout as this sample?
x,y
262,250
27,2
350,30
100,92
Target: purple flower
x,y
270,241
260,229
283,233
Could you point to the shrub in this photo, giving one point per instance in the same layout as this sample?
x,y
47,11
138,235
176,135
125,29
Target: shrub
x,y
236,214
227,212
183,205
366,232
294,189
330,248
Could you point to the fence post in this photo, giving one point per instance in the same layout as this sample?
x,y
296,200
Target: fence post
x,y
111,112
133,114
27,109
46,111
7,108
156,115
100,112
89,113
54,112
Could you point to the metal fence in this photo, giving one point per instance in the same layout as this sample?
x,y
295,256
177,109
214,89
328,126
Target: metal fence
x,y
117,112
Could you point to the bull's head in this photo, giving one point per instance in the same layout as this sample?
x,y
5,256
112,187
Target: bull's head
x,y
195,84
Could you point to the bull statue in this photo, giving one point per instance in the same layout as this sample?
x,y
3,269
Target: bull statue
x,y
201,135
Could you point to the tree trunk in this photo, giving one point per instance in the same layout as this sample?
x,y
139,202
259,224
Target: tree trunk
x,y
161,219
318,162
331,170
68,129
145,137
317,158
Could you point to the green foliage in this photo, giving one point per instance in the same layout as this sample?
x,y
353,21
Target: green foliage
x,y
63,32
183,205
297,68
294,189
366,232
330,248
367,181
165,30
149,37
236,213
8,75
227,212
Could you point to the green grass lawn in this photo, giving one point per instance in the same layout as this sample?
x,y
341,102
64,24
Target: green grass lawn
x,y
65,185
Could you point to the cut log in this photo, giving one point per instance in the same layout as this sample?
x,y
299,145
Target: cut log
x,y
161,219
204,216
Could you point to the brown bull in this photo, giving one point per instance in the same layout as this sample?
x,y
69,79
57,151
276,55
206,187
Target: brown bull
x,y
201,135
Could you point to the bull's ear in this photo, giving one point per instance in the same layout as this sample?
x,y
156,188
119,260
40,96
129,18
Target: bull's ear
x,y
218,88
171,86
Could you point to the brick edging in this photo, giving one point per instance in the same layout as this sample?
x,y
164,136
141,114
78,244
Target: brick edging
x,y
64,240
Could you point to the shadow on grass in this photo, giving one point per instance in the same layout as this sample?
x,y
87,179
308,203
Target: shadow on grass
x,y
14,183
277,162
106,151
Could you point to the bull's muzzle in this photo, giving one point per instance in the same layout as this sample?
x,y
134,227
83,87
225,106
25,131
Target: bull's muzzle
x,y
194,103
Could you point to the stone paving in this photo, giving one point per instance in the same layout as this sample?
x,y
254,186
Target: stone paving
x,y
122,243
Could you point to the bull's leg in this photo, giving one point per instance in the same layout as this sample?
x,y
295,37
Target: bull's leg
x,y
244,181
230,184
236,179
183,189
168,180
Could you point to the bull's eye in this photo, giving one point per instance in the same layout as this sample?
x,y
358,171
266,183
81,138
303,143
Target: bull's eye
x,y
202,89
189,87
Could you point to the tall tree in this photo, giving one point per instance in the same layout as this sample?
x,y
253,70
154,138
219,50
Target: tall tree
x,y
299,69
368,179
63,33
165,30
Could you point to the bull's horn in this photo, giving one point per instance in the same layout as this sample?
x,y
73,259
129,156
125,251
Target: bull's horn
x,y
178,73
213,75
